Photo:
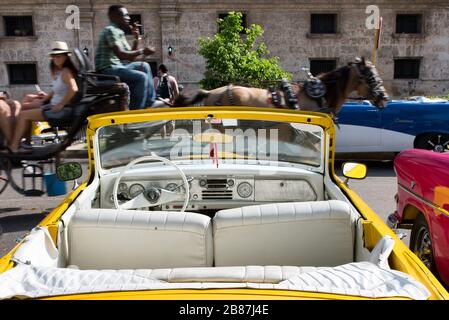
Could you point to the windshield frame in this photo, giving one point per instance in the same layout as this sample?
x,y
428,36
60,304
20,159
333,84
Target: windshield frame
x,y
242,113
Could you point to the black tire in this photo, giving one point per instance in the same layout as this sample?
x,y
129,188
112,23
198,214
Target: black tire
x,y
437,142
421,243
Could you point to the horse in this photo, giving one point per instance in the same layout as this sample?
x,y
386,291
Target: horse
x,y
360,75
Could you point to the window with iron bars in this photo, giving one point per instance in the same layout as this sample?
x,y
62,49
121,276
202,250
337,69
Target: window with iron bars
x,y
22,73
407,68
409,23
323,23
318,66
18,26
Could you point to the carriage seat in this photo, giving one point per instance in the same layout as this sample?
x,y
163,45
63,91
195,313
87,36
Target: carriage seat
x,y
132,239
319,233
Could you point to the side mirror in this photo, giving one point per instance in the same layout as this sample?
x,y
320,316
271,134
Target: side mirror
x,y
69,171
354,170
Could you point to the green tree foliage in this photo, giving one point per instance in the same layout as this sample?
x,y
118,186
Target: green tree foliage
x,y
235,58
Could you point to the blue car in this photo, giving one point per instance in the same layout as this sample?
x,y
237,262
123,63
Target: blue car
x,y
375,133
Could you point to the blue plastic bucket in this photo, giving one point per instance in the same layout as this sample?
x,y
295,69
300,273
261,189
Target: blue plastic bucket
x,y
54,186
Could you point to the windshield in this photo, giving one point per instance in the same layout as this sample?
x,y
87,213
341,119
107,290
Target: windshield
x,y
211,140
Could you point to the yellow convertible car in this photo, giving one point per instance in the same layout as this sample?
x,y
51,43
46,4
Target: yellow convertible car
x,y
213,203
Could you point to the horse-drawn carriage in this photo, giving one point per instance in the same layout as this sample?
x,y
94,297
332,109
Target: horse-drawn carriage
x,y
101,94
97,93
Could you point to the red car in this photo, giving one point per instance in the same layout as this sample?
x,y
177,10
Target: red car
x,y
423,205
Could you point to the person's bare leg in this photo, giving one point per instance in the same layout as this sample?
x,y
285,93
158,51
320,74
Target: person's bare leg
x,y
23,122
27,134
29,98
16,108
5,121
32,101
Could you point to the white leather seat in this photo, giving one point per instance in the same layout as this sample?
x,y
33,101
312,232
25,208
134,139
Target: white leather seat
x,y
131,239
288,234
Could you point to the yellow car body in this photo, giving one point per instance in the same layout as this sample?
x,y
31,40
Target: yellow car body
x,y
401,259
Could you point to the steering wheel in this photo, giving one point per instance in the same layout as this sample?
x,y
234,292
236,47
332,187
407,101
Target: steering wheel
x,y
153,196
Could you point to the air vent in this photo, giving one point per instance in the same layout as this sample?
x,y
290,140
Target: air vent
x,y
217,184
217,194
216,189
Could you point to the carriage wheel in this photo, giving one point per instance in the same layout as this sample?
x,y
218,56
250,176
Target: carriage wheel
x,y
8,172
437,142
4,181
21,189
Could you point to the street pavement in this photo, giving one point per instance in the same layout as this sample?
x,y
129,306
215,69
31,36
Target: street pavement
x,y
18,214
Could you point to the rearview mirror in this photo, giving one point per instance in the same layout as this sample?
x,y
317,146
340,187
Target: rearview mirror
x,y
69,171
354,170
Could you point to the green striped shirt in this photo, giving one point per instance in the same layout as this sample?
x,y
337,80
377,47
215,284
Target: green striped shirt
x,y
110,36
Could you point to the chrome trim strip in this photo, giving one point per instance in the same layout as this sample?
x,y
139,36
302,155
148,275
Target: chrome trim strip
x,y
427,202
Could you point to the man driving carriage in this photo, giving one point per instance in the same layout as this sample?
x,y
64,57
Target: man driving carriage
x,y
114,53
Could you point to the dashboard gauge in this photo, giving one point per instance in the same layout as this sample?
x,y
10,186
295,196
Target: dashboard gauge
x,y
121,197
123,187
244,190
173,187
135,190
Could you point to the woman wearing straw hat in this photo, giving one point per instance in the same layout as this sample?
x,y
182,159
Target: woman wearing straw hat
x,y
64,88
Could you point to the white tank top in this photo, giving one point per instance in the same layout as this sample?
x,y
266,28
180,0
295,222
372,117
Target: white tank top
x,y
60,89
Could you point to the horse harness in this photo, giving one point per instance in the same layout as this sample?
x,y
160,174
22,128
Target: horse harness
x,y
286,97
228,94
316,90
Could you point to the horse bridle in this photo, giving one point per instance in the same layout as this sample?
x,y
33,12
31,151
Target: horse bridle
x,y
373,80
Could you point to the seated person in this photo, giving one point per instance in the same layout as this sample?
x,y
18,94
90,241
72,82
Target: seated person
x,y
64,88
114,52
9,109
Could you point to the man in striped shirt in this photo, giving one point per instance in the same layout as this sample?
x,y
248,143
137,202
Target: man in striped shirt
x,y
114,56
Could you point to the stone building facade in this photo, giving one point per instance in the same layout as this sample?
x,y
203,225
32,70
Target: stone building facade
x,y
287,25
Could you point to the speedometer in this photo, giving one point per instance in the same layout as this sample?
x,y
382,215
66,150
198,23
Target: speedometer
x,y
174,187
135,190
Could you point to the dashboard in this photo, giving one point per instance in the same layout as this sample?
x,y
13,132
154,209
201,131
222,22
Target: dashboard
x,y
219,191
